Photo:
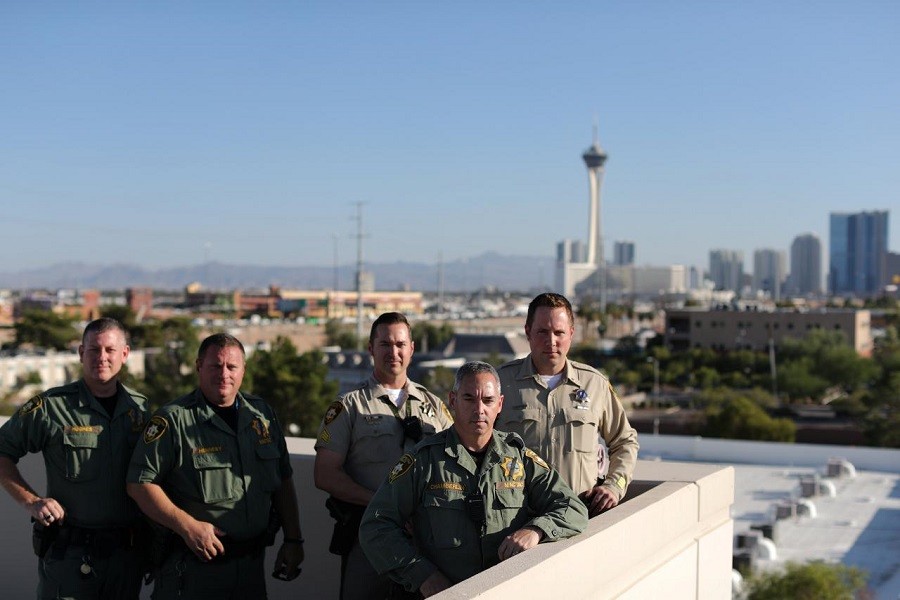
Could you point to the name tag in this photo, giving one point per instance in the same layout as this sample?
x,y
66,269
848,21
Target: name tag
x,y
447,485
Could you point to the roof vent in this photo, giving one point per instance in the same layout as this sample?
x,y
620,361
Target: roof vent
x,y
840,467
806,508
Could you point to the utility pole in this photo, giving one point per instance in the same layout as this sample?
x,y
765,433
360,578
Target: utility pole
x,y
359,276
440,283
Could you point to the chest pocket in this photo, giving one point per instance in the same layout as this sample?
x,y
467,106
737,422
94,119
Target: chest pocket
x,y
267,456
215,478
448,518
375,437
581,427
525,421
82,456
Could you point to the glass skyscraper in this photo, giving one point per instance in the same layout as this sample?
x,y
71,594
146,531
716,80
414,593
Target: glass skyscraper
x,y
858,250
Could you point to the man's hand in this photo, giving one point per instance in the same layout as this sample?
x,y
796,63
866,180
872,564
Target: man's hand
x,y
436,582
203,540
519,541
287,563
47,511
598,499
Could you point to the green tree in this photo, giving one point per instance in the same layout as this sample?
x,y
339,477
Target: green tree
x,y
295,385
810,581
439,382
429,337
733,415
169,370
45,329
338,334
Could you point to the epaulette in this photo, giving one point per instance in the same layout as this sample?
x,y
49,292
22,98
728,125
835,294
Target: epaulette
x,y
513,363
62,390
252,398
134,393
439,438
514,440
588,368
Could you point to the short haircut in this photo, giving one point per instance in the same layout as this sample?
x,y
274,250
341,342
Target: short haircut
x,y
472,368
388,318
220,340
102,325
550,300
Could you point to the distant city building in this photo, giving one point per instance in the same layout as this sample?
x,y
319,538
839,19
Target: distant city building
x,y
623,253
858,250
53,369
571,251
139,300
726,269
768,271
752,329
806,266
695,278
892,271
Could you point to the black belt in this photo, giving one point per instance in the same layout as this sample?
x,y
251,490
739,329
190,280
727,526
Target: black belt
x,y
236,548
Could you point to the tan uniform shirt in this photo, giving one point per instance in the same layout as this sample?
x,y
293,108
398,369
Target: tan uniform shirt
x,y
362,426
561,425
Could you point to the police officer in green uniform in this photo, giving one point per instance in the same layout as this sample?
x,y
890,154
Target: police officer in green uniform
x,y
85,525
209,467
561,408
473,496
361,437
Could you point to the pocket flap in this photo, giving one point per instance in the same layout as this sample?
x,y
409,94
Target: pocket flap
x,y
267,451
82,439
575,415
212,460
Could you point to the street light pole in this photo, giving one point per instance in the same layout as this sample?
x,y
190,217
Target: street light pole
x,y
655,361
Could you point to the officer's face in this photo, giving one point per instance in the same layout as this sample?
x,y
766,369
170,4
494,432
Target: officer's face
x,y
475,405
102,356
221,371
550,337
391,349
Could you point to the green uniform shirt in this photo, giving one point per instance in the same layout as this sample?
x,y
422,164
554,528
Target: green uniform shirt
x,y
213,473
85,450
562,424
362,427
429,489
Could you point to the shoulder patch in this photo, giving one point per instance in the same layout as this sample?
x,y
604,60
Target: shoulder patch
x,y
155,429
401,468
334,409
31,406
535,458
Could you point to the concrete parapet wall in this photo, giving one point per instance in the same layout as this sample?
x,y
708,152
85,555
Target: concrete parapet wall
x,y
673,533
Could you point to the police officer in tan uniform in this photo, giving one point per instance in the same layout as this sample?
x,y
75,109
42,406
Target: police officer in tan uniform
x,y
85,525
209,467
560,406
473,496
362,436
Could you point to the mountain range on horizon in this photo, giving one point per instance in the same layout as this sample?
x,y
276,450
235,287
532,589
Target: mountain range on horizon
x,y
490,269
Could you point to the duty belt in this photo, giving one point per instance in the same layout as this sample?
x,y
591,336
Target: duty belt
x,y
100,542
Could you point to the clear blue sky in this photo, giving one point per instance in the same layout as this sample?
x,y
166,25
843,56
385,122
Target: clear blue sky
x,y
166,133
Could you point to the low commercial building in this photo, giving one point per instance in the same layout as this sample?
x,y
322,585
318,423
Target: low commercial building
x,y
727,329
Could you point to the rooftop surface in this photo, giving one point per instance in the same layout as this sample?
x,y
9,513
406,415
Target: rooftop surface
x,y
859,526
